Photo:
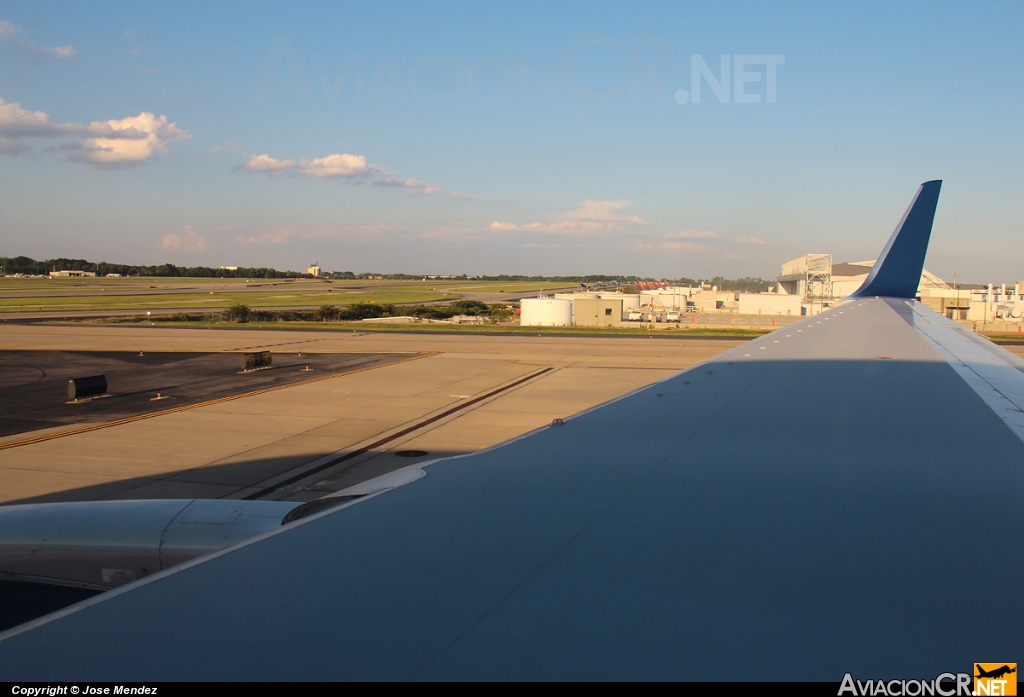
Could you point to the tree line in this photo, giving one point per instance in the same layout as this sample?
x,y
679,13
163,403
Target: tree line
x,y
32,267
361,311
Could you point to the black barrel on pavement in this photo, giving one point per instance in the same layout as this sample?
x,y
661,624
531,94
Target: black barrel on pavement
x,y
79,388
260,359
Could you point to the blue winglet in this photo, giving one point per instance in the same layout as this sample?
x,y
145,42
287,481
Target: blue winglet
x,y
897,273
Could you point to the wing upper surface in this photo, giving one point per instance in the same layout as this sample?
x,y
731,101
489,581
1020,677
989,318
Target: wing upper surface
x,y
804,505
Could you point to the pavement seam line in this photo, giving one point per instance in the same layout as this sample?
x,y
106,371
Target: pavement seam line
x,y
310,430
219,400
465,404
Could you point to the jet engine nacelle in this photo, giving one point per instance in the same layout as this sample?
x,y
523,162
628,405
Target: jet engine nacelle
x,y
103,544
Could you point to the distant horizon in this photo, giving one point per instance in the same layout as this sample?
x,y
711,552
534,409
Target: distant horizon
x,y
451,276
567,278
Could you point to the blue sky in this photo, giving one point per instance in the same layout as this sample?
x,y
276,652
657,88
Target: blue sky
x,y
510,138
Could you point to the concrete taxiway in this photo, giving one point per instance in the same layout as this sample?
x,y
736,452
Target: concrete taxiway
x,y
407,398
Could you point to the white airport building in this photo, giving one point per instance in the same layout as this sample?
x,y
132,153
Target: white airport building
x,y
545,312
72,274
583,309
587,308
807,286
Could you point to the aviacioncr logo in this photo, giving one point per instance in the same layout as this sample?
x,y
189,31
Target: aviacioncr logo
x,y
945,685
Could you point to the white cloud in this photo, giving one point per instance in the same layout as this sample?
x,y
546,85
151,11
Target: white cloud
x,y
336,166
268,165
34,50
226,147
16,122
7,30
693,235
599,214
589,217
37,52
113,143
188,241
398,182
136,51
126,142
340,166
415,186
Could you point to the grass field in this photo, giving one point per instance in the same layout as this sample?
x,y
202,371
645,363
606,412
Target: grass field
x,y
109,294
68,284
212,300
10,284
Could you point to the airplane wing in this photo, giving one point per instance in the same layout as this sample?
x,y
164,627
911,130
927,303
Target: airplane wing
x,y
841,495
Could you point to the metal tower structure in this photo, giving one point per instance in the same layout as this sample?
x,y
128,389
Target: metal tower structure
x,y
818,286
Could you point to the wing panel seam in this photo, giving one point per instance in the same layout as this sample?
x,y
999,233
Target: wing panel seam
x,y
957,351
